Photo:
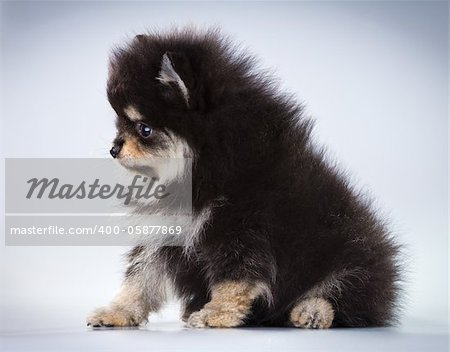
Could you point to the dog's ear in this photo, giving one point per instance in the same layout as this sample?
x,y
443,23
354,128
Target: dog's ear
x,y
177,78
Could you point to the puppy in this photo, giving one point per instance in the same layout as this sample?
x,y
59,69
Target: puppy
x,y
278,236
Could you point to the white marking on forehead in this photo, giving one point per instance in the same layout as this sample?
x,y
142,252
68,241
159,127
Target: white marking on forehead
x,y
132,113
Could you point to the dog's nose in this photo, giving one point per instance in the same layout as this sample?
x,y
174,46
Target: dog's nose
x,y
115,150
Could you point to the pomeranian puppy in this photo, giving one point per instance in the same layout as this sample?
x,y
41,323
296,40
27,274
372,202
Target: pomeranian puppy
x,y
281,238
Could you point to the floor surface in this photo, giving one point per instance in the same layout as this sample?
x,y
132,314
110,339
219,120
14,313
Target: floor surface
x,y
173,336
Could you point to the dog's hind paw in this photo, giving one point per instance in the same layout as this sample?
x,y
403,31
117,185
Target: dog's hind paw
x,y
312,313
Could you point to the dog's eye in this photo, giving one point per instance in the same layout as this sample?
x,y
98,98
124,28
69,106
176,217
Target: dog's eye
x,y
144,130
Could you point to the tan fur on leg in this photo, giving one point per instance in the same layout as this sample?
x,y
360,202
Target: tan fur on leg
x,y
230,303
141,293
312,313
128,309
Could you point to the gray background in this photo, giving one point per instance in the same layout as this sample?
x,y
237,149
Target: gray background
x,y
374,76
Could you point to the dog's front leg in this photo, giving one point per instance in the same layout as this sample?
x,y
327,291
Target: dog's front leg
x,y
143,291
230,304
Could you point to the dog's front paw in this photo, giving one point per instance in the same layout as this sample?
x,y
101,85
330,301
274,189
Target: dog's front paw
x,y
215,318
111,316
313,313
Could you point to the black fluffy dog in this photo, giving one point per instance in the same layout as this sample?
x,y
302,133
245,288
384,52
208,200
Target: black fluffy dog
x,y
278,236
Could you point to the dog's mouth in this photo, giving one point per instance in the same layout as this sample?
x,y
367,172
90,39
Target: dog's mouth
x,y
164,168
136,164
150,167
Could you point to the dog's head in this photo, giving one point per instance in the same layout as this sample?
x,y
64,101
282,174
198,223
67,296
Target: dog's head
x,y
160,87
149,90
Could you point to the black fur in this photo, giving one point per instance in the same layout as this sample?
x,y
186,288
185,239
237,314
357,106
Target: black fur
x,y
287,217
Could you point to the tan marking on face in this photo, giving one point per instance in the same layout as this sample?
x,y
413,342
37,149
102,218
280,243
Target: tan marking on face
x,y
133,114
131,149
312,313
230,303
